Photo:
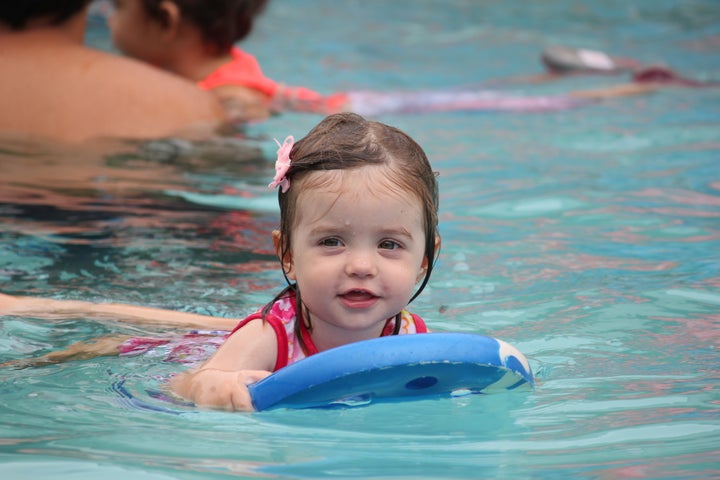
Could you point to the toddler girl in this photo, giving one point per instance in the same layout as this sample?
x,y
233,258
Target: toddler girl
x,y
358,233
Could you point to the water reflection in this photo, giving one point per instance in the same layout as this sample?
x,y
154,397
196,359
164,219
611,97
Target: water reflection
x,y
104,209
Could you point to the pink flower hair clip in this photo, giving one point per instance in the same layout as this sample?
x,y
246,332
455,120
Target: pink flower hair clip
x,y
282,164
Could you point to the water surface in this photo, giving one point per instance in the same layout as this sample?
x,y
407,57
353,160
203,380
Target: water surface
x,y
586,238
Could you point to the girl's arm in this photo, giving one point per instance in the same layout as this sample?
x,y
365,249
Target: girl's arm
x,y
61,309
221,382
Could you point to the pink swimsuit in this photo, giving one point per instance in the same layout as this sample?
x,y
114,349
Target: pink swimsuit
x,y
190,348
244,70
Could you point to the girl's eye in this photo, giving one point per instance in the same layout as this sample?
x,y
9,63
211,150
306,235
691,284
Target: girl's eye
x,y
389,245
330,242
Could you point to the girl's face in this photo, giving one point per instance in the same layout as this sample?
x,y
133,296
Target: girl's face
x,y
357,253
135,33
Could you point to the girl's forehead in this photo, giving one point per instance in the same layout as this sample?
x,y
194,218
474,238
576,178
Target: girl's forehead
x,y
371,195
362,187
373,178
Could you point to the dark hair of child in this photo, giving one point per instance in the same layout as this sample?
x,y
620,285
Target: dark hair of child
x,y
222,22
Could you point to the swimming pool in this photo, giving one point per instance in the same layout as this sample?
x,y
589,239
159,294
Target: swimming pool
x,y
588,238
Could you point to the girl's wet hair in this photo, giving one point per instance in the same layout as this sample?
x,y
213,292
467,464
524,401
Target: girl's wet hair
x,y
18,13
221,22
345,141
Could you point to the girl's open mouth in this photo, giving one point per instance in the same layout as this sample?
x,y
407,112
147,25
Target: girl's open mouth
x,y
358,298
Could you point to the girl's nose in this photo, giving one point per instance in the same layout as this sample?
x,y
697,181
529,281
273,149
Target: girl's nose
x,y
360,264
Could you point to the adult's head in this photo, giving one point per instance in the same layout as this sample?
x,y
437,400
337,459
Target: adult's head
x,y
20,14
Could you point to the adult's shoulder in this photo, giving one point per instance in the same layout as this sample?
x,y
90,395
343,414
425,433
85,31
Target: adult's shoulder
x,y
145,80
139,89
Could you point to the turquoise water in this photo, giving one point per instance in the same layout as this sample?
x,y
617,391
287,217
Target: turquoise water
x,y
589,239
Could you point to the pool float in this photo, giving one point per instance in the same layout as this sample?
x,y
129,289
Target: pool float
x,y
563,59
396,368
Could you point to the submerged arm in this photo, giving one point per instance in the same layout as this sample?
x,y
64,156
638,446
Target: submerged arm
x,y
624,90
62,309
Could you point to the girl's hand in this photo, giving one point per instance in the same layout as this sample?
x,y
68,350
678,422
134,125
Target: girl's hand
x,y
221,382
221,389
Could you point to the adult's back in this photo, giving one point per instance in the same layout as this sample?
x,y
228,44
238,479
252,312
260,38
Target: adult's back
x,y
53,86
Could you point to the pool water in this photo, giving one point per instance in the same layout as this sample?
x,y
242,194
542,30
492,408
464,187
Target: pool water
x,y
587,238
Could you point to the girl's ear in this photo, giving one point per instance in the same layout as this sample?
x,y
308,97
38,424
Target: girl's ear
x,y
287,263
426,261
171,17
